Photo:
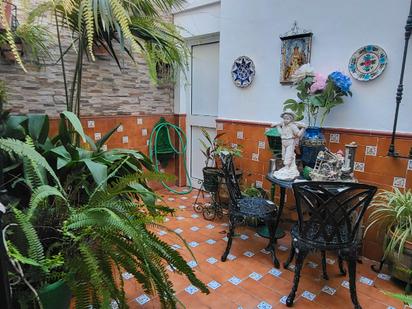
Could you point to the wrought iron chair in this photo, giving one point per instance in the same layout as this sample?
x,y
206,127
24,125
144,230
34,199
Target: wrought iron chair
x,y
335,212
241,208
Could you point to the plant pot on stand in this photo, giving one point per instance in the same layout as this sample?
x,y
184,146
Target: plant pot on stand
x,y
311,143
400,265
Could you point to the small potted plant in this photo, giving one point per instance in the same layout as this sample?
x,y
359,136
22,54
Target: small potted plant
x,y
211,150
391,214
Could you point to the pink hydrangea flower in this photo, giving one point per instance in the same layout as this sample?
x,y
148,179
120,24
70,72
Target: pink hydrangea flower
x,y
319,83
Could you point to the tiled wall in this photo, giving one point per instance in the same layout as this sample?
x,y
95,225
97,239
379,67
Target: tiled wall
x,y
134,133
372,164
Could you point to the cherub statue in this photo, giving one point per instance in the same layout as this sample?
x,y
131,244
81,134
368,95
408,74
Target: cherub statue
x,y
290,132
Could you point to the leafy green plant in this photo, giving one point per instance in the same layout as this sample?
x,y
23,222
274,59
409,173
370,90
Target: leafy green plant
x,y
212,147
392,213
317,94
85,216
407,299
34,38
134,28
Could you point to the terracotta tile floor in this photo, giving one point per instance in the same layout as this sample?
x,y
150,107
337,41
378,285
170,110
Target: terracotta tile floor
x,y
252,282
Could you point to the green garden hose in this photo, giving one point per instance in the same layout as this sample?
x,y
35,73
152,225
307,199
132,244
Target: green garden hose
x,y
153,151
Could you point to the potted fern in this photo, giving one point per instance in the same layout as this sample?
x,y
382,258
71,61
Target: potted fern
x,y
79,216
392,213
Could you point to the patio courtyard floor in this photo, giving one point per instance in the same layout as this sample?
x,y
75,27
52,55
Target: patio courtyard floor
x,y
248,279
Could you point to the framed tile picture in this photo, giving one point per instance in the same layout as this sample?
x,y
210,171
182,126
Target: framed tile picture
x,y
296,51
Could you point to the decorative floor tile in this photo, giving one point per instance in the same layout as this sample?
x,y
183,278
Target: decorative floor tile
x,y
180,218
175,247
312,265
210,226
211,241
162,233
193,244
183,198
384,276
264,251
231,257
330,261
192,264
178,231
390,307
182,206
345,284
194,216
410,165
264,305
114,305
308,295
191,289
207,195
366,281
166,220
255,276
329,290
275,272
127,276
225,238
283,248
212,260
291,267
235,280
244,237
283,299
171,199
257,235
194,228
248,253
224,224
142,299
214,285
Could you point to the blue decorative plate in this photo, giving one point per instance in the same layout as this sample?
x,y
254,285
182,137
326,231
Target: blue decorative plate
x,y
368,62
243,71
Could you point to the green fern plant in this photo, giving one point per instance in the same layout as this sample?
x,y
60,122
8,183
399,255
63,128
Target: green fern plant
x,y
84,223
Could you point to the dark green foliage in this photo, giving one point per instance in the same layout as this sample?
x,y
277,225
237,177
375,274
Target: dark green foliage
x,y
84,217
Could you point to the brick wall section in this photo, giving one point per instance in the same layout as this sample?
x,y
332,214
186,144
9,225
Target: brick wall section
x,y
106,89
374,167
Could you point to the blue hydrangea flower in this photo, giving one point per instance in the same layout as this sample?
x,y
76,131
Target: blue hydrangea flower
x,y
341,81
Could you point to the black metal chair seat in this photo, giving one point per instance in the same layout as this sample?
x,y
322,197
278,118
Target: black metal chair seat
x,y
339,238
241,208
329,216
256,207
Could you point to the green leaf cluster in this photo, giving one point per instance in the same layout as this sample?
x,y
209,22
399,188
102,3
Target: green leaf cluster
x,y
313,104
392,213
83,215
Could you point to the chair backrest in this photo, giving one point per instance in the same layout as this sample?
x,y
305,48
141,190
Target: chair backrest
x,y
335,209
230,177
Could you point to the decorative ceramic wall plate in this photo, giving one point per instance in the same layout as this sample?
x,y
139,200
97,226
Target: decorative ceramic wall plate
x,y
243,71
368,62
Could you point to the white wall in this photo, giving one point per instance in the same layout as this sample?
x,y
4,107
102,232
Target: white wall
x,y
252,28
200,22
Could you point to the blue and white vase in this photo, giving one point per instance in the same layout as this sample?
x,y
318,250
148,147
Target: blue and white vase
x,y
311,143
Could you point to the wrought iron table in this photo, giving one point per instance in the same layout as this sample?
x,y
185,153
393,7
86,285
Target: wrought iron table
x,y
283,185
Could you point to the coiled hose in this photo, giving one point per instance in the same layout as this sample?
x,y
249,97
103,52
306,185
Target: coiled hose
x,y
182,143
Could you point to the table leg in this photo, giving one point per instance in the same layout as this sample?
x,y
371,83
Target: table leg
x,y
280,233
